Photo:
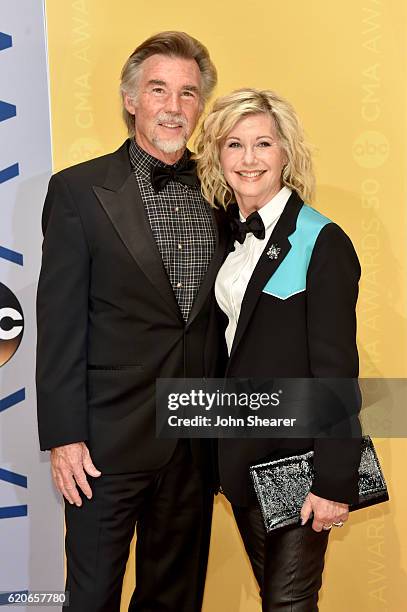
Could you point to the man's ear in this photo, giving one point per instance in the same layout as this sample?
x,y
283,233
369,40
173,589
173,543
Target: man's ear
x,y
129,104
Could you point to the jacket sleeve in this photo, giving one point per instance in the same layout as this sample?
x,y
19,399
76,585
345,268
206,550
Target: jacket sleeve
x,y
332,291
62,316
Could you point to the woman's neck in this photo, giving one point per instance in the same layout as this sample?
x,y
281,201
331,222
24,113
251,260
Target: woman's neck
x,y
248,205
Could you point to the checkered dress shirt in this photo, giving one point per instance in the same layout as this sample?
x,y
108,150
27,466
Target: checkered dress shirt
x,y
182,226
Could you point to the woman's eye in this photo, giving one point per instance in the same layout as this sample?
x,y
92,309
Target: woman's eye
x,y
233,145
264,143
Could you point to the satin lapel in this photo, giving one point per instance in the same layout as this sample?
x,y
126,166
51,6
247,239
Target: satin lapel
x,y
220,223
266,266
120,197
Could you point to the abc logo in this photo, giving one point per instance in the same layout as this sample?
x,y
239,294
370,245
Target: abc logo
x,y
370,149
11,324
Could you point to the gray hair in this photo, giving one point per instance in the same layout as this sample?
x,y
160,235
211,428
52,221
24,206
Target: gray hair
x,y
171,44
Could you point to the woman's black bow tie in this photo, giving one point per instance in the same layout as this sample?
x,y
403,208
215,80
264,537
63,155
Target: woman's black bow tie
x,y
185,174
253,224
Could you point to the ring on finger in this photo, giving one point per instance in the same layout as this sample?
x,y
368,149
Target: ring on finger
x,y
327,527
338,524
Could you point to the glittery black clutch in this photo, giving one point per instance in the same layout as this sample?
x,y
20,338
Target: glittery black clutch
x,y
282,485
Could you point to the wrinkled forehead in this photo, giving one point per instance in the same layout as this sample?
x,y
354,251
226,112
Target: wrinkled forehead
x,y
171,71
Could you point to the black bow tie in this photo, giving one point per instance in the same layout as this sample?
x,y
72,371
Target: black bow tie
x,y
253,224
185,173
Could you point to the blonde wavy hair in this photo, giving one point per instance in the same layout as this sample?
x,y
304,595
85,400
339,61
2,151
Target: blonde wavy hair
x,y
226,112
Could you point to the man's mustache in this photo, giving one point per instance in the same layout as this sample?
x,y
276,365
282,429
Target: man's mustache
x,y
171,118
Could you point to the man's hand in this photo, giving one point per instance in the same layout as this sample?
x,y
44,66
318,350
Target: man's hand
x,y
68,466
326,512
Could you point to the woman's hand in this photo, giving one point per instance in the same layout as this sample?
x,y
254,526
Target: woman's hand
x,y
326,512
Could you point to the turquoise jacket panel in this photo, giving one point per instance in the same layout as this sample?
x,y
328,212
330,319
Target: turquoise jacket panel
x,y
291,275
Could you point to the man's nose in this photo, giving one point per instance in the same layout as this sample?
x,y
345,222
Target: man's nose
x,y
173,104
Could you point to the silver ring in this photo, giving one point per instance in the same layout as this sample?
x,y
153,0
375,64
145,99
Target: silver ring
x,y
327,527
338,524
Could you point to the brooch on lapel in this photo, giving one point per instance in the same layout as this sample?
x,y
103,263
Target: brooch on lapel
x,y
273,251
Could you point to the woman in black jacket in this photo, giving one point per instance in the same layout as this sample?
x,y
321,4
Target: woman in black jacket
x,y
288,289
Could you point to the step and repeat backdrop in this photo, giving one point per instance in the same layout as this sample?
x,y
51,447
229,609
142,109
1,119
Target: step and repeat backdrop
x,y
31,524
343,66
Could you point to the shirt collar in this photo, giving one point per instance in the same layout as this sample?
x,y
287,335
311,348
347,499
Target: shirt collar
x,y
271,211
142,162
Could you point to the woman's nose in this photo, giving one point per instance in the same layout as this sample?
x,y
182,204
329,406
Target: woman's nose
x,y
249,155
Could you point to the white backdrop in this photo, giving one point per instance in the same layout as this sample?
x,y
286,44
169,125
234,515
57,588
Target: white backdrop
x,y
31,531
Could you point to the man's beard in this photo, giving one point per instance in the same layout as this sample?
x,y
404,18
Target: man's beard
x,y
171,145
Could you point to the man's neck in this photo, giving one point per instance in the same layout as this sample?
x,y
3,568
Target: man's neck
x,y
167,158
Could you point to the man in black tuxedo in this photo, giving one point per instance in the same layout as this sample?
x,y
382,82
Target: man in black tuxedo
x,y
130,254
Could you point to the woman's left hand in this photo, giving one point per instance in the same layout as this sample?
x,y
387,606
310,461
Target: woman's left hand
x,y
326,512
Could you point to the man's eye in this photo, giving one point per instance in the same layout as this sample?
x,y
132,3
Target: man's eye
x,y
188,94
158,90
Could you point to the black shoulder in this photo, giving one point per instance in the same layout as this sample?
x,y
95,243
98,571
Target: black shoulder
x,y
334,236
334,244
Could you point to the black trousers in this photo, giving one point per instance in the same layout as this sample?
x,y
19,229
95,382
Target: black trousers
x,y
287,563
172,508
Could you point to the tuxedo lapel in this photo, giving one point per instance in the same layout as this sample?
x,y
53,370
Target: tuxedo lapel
x,y
120,197
267,265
